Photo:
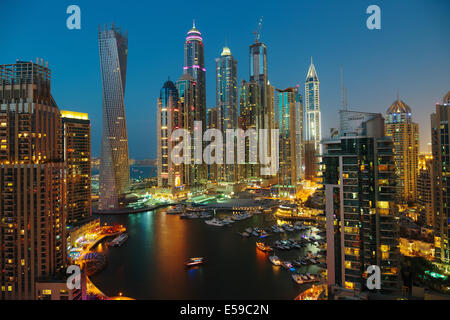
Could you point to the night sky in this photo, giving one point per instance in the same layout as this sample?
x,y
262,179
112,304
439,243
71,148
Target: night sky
x,y
410,54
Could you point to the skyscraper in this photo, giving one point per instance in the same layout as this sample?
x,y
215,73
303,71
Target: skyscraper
x,y
212,123
186,87
287,122
405,134
77,156
250,104
194,65
227,107
114,161
32,174
299,144
169,118
258,74
440,170
361,214
425,190
312,108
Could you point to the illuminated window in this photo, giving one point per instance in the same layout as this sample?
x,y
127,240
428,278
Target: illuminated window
x,y
349,285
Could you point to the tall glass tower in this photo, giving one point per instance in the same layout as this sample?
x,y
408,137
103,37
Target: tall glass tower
x,y
258,74
114,166
227,104
194,65
312,107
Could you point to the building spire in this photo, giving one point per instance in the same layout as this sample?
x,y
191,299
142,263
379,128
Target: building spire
x,y
193,23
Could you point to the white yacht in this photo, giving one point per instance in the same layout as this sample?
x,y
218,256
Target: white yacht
x,y
275,260
215,222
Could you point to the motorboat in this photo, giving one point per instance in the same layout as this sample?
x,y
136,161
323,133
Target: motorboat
x,y
301,278
176,210
194,262
215,222
249,230
287,264
275,260
263,247
118,241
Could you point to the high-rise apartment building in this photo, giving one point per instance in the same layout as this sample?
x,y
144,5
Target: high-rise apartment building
x,y
286,123
186,87
32,174
425,190
440,170
227,108
250,119
405,134
77,156
299,145
361,214
114,159
169,118
194,65
212,123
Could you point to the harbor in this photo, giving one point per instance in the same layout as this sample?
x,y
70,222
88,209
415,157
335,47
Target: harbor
x,y
163,250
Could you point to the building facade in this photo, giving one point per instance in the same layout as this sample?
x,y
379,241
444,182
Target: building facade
x,y
312,108
286,123
114,159
251,110
169,118
193,167
212,123
77,156
194,66
32,175
299,143
227,108
405,134
441,196
361,214
425,190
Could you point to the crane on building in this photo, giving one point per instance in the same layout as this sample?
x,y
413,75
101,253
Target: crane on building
x,y
258,31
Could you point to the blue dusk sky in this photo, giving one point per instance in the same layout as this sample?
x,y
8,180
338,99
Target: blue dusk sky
x,y
410,54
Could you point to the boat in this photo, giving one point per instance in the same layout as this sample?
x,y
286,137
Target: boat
x,y
176,210
194,262
245,234
118,241
184,216
275,260
227,221
312,276
287,264
255,233
263,234
215,222
263,247
301,278
296,263
249,230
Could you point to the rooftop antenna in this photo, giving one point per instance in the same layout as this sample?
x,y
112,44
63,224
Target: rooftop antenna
x,y
258,31
343,91
397,94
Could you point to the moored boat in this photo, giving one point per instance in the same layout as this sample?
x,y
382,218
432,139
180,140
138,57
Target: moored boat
x,y
263,247
194,261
